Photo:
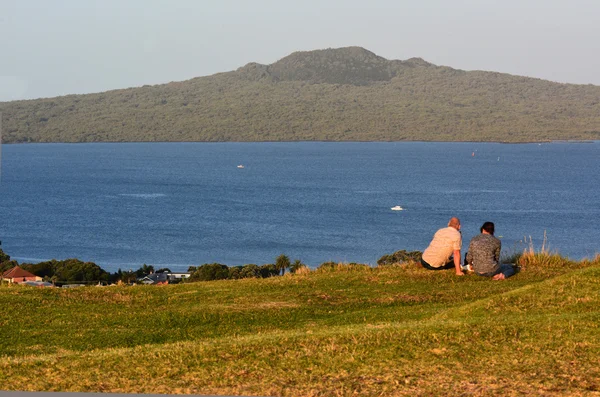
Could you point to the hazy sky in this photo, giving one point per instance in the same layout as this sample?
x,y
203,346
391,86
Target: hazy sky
x,y
58,47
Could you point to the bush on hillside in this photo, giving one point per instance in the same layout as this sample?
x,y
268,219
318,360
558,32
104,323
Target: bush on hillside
x,y
235,272
210,271
268,270
399,257
341,267
327,266
250,271
296,266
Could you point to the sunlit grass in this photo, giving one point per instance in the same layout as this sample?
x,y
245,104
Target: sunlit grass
x,y
344,330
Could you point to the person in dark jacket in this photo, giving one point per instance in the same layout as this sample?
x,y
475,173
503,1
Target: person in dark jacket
x,y
484,255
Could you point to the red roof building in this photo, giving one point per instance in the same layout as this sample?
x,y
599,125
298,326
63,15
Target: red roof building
x,y
17,275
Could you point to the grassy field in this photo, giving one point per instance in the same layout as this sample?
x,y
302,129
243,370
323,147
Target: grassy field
x,y
349,331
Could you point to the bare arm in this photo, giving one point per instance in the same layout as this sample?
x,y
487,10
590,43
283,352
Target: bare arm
x,y
457,258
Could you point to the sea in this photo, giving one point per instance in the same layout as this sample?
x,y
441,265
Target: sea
x,y
174,205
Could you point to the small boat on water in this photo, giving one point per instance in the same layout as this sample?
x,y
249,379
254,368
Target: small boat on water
x,y
240,166
397,208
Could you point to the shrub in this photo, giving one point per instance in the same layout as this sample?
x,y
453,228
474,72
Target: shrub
x,y
327,266
302,270
398,257
297,265
210,271
545,260
250,271
341,267
235,272
511,257
268,270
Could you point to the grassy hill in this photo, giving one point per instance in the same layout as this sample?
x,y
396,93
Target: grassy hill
x,y
350,330
334,94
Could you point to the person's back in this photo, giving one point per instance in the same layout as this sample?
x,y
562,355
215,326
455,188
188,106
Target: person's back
x,y
484,254
444,250
444,242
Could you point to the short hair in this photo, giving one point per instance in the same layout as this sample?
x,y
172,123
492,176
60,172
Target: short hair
x,y
488,227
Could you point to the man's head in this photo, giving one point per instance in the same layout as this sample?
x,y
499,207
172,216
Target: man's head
x,y
454,222
487,228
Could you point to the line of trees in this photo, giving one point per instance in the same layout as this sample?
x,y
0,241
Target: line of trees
x,y
218,271
70,271
401,256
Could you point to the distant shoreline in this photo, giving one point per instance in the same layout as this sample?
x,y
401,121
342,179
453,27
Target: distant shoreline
x,y
316,141
334,94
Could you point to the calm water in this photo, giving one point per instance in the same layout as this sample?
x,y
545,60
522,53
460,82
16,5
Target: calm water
x,y
178,204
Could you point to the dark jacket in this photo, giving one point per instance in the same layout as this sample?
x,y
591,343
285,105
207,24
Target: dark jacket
x,y
484,254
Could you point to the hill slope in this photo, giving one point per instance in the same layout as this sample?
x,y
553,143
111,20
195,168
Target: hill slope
x,y
334,94
347,331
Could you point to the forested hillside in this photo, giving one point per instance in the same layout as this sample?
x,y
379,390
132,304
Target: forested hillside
x,y
334,94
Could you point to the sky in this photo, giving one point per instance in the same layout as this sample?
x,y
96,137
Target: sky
x,y
57,47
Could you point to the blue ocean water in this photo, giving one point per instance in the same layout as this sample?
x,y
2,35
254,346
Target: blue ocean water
x,y
179,204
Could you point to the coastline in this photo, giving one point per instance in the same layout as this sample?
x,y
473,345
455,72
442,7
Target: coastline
x,y
313,141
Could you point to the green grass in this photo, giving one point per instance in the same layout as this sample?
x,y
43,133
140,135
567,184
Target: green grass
x,y
396,330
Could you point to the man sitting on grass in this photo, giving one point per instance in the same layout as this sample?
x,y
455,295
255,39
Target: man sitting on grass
x,y
444,250
484,255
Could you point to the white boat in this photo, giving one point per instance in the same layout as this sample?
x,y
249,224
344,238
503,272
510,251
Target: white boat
x,y
397,208
240,166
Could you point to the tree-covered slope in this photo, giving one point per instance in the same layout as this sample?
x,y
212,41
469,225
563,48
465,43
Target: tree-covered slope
x,y
334,94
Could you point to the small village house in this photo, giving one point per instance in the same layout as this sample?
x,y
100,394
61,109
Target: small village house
x,y
163,278
17,275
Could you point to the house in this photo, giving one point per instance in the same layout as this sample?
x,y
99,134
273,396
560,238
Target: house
x,y
73,285
178,276
155,278
17,275
38,284
163,278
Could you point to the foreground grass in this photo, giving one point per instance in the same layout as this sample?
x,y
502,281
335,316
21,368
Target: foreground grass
x,y
352,331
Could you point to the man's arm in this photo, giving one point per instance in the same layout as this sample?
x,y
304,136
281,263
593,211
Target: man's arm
x,y
457,259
